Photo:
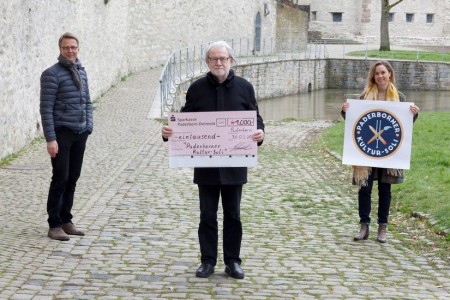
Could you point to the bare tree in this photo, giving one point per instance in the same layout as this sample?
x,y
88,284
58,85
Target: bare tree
x,y
385,44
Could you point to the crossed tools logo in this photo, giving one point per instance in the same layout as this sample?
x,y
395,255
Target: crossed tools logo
x,y
378,133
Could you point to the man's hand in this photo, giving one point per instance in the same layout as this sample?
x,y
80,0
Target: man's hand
x,y
52,148
166,131
258,136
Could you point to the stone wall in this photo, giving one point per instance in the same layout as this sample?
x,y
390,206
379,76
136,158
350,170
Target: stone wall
x,y
289,77
29,44
410,75
282,78
291,23
362,21
117,37
160,27
276,78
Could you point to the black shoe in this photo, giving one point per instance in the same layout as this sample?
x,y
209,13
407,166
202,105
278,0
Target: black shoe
x,y
234,270
204,270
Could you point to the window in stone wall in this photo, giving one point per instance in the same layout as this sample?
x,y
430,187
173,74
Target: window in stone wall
x,y
337,16
314,16
257,45
409,18
430,18
391,17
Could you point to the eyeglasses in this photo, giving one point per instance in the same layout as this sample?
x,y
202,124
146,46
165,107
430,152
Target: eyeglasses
x,y
67,48
216,59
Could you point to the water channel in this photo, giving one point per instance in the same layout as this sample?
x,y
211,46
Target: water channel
x,y
326,104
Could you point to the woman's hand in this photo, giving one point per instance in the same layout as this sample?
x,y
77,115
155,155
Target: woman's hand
x,y
345,106
166,131
414,109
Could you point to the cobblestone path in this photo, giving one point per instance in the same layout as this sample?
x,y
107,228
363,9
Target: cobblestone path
x,y
299,216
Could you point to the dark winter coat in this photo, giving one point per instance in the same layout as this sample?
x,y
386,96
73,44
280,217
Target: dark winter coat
x,y
237,94
62,103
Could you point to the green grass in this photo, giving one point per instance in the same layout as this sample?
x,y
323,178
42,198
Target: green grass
x,y
405,54
427,187
427,184
8,159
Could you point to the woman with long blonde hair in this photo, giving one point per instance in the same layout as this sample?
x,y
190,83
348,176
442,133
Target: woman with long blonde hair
x,y
380,85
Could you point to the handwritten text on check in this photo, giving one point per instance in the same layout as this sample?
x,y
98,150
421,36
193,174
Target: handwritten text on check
x,y
224,133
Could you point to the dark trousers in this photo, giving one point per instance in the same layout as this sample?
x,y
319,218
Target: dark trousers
x,y
66,171
384,200
232,226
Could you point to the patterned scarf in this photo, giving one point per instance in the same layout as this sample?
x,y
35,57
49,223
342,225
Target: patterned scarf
x,y
72,67
371,93
361,173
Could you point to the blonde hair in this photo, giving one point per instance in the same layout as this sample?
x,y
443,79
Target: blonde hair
x,y
371,76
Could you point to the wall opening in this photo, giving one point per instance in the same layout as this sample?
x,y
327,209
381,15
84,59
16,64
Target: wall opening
x,y
257,42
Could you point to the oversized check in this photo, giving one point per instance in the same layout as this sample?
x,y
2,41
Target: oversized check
x,y
212,139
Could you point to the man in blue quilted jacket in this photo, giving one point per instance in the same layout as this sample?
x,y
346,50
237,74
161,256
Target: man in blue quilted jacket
x,y
67,121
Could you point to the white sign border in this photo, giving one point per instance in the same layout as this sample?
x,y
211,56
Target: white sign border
x,y
352,155
212,161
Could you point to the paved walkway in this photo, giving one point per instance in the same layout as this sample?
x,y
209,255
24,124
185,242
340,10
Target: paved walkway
x,y
298,210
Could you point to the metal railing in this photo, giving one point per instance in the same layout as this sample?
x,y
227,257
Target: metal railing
x,y
189,63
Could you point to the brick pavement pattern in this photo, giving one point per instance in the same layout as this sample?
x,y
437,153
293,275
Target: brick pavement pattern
x,y
141,220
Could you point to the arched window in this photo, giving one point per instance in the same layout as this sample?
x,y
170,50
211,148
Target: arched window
x,y
257,32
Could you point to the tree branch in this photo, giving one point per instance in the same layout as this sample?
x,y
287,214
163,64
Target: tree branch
x,y
393,4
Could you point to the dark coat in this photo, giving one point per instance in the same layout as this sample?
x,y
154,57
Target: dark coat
x,y
62,103
237,94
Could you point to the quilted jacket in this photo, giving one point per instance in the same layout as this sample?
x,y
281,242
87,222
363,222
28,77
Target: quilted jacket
x,y
62,103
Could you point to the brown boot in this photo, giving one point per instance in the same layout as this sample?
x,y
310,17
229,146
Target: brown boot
x,y
381,237
69,228
58,233
363,233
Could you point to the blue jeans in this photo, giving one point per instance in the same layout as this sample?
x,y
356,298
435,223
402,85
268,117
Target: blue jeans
x,y
66,171
384,199
232,226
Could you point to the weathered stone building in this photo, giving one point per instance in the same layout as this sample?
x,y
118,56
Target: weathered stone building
x,y
117,37
412,22
120,37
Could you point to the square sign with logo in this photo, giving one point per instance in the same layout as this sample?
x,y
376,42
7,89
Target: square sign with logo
x,y
378,134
